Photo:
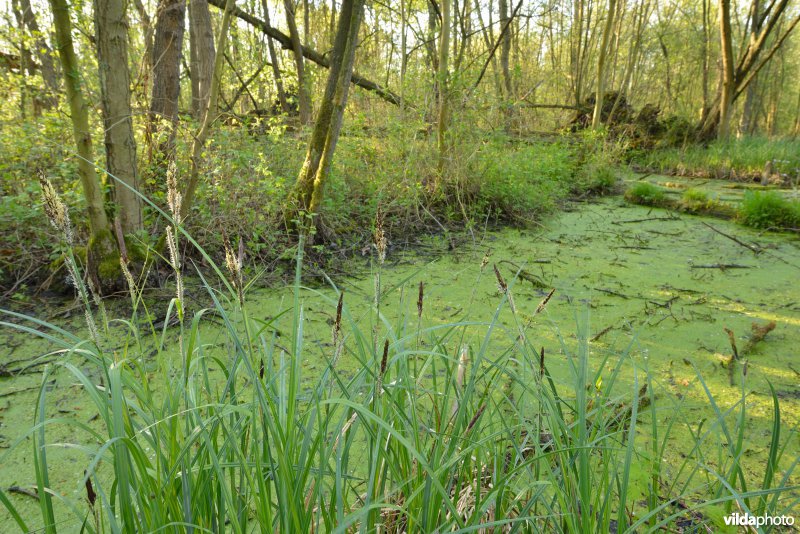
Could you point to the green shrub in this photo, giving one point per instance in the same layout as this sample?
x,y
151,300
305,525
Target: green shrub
x,y
769,210
597,177
646,194
523,184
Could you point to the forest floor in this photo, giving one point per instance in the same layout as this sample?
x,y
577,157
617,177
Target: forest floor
x,y
656,286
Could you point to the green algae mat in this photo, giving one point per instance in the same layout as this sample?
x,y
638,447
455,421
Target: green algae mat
x,y
670,290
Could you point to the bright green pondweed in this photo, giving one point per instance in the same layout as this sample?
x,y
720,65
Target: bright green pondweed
x,y
457,427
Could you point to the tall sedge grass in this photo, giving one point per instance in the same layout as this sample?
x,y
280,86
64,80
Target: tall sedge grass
x,y
431,433
735,158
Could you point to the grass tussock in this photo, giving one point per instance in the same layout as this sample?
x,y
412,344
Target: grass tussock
x,y
769,210
431,432
646,194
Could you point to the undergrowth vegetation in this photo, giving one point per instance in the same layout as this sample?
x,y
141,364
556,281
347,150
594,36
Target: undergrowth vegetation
x,y
252,170
433,431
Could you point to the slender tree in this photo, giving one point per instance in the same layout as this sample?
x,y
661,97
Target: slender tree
x,y
749,115
25,66
505,54
276,66
314,173
303,96
43,54
142,83
166,62
101,245
443,74
111,30
210,112
599,99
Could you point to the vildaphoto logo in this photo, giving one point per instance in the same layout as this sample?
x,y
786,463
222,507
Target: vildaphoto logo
x,y
746,520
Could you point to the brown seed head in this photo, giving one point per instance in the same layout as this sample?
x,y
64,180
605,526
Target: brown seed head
x,y
501,283
337,324
380,236
385,357
420,298
55,208
173,195
545,301
475,417
91,496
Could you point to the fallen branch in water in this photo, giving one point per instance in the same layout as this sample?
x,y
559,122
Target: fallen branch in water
x,y
722,266
23,491
601,333
10,373
610,292
15,391
631,221
526,275
754,248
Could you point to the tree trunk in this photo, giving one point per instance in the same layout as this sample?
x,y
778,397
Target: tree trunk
x,y
599,99
706,57
276,67
314,173
403,51
210,112
201,43
166,61
43,53
101,246
303,97
112,61
728,81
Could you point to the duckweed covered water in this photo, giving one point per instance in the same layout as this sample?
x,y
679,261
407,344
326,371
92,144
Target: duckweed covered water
x,y
661,286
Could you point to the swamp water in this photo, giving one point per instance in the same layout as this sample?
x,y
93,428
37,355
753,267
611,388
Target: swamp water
x,y
660,287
